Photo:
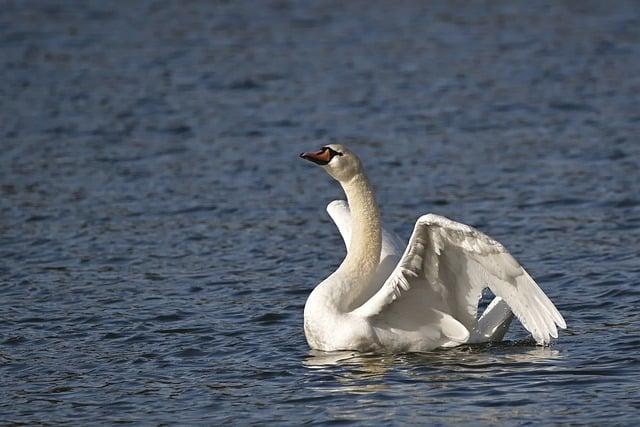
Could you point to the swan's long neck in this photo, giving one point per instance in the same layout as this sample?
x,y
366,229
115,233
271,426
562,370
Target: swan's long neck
x,y
366,242
363,256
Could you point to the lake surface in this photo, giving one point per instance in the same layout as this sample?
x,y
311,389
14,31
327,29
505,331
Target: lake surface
x,y
159,235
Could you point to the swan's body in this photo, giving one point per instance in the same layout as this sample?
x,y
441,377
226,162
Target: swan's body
x,y
384,298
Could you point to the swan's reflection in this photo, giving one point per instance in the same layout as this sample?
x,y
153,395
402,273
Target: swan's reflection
x,y
356,372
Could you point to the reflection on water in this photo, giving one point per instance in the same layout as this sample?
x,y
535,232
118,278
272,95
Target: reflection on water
x,y
365,373
359,373
319,359
483,375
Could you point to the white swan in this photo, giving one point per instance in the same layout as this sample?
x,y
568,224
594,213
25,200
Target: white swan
x,y
384,299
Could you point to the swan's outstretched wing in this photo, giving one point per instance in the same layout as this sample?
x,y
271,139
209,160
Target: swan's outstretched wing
x,y
340,214
448,264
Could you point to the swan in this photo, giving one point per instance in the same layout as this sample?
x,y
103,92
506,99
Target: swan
x,y
386,298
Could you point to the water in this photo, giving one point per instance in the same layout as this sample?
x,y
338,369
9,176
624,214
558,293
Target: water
x,y
159,235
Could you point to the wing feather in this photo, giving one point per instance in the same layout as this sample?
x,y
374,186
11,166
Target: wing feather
x,y
457,262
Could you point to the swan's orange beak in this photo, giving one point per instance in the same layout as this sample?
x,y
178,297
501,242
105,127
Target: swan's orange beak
x,y
321,157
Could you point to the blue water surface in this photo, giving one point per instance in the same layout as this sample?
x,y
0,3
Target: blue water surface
x,y
159,234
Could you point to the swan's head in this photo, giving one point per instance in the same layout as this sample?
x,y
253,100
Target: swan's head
x,y
337,160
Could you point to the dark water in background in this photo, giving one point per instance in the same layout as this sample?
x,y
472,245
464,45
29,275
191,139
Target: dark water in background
x,y
159,235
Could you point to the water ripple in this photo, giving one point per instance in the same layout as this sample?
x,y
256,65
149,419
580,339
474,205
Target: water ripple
x,y
159,236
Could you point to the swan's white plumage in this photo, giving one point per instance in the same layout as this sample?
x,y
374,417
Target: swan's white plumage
x,y
339,212
420,298
457,262
493,323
